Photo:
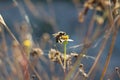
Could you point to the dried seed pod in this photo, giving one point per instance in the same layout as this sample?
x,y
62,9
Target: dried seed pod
x,y
81,66
88,5
81,69
53,55
74,54
117,71
81,17
99,19
116,68
46,37
116,9
36,52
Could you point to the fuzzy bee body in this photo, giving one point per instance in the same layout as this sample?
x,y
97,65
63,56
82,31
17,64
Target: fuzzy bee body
x,y
58,36
61,37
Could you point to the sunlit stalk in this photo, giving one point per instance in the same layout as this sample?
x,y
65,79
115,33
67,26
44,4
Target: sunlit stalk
x,y
65,45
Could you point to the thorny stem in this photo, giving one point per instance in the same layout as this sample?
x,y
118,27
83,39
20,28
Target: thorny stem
x,y
109,54
65,45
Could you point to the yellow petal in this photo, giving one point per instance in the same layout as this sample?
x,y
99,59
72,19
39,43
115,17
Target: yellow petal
x,y
65,37
27,43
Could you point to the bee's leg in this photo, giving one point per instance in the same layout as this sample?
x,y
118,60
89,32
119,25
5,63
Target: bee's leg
x,y
60,41
56,40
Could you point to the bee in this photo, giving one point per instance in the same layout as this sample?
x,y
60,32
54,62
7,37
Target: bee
x,y
58,36
61,37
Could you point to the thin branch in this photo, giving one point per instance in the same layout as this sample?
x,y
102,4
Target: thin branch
x,y
109,54
79,58
21,48
103,45
83,51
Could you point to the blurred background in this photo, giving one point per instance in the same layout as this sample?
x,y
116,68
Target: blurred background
x,y
46,17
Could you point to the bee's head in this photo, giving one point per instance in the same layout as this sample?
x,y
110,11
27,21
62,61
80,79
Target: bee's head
x,y
59,33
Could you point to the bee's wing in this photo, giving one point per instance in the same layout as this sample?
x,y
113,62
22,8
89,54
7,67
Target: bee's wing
x,y
70,40
55,34
76,46
61,41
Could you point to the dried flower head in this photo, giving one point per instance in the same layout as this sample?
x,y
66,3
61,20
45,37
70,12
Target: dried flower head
x,y
81,17
99,19
81,70
36,52
46,36
116,8
53,55
116,68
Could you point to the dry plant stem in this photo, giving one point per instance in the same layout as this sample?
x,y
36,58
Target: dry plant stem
x,y
3,57
98,56
76,75
81,55
76,64
77,5
12,35
91,25
22,50
103,45
35,72
21,10
109,54
39,67
110,18
5,48
4,43
90,28
61,62
118,73
83,50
